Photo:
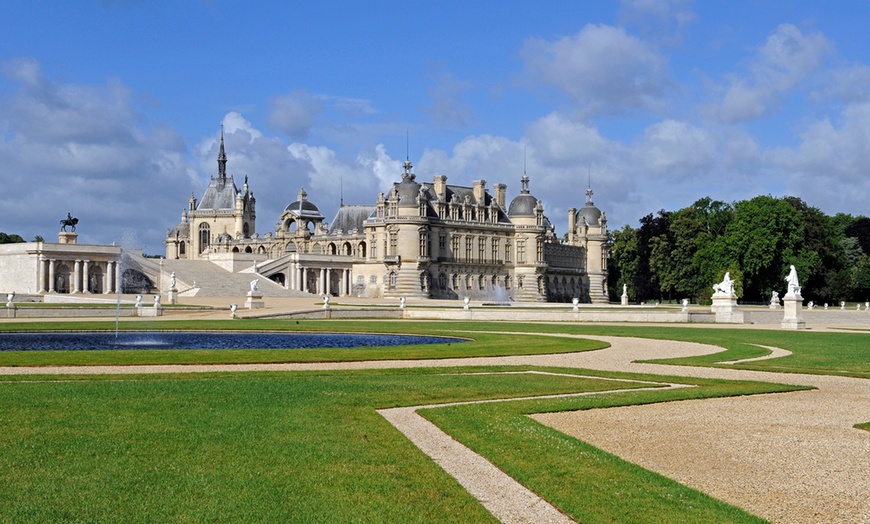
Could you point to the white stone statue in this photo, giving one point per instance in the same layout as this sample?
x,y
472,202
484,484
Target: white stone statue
x,y
325,301
255,286
233,308
774,297
172,280
842,304
624,290
138,300
467,301
576,302
858,306
156,301
9,298
401,302
826,305
866,306
810,305
685,304
726,287
794,287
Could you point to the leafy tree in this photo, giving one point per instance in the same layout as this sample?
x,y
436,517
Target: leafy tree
x,y
764,238
10,239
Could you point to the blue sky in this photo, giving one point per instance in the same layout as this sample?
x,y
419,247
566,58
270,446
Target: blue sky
x,y
112,110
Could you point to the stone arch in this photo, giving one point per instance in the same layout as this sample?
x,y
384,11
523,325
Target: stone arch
x,y
361,249
317,249
346,249
331,249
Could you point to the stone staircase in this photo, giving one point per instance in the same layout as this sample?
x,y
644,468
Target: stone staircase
x,y
205,279
407,283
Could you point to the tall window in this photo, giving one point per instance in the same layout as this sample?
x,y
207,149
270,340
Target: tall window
x,y
204,237
481,250
495,249
521,251
454,247
507,251
468,244
424,244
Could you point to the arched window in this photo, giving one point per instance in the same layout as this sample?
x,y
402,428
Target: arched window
x,y
181,248
204,237
361,250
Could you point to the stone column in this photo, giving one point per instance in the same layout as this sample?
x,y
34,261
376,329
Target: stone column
x,y
85,277
107,278
327,281
117,274
43,287
51,276
305,279
76,277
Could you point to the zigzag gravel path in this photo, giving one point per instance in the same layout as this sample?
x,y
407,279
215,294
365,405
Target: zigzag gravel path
x,y
787,457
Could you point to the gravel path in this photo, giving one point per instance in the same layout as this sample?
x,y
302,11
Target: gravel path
x,y
787,457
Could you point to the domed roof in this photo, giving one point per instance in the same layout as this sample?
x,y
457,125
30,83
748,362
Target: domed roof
x,y
589,213
408,189
182,230
302,207
523,204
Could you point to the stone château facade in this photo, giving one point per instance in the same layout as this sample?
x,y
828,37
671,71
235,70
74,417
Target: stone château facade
x,y
418,240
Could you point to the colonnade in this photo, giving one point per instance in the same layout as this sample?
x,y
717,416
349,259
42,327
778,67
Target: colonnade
x,y
85,276
298,277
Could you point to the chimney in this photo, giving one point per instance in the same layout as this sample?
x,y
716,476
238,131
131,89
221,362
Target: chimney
x,y
441,187
479,190
500,190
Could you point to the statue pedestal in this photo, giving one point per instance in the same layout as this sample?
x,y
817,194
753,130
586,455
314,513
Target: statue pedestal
x,y
154,311
67,237
173,296
792,306
774,304
624,300
254,301
725,308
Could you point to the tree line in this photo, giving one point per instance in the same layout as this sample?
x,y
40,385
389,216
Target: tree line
x,y
680,254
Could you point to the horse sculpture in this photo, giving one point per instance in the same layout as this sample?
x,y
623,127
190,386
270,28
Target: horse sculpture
x,y
69,221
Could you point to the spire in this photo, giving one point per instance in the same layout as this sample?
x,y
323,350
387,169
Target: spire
x,y
222,158
589,189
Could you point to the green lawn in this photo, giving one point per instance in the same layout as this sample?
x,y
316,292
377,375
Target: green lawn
x,y
310,447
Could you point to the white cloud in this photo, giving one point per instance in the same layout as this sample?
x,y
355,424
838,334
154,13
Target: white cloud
x,y
665,20
85,149
677,150
786,60
294,113
603,69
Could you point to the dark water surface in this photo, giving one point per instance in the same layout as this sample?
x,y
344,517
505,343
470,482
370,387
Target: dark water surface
x,y
211,340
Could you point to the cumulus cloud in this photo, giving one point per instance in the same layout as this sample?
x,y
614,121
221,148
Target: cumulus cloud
x,y
294,113
603,69
677,150
85,149
664,20
787,59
